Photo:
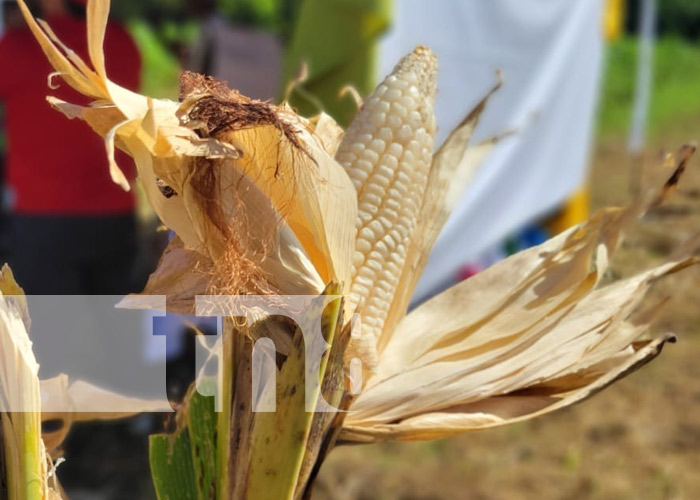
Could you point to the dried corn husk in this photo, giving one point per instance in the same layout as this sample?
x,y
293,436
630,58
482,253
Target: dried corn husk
x,y
529,335
26,462
515,342
69,402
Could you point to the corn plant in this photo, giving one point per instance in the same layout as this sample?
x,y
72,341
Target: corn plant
x,y
267,203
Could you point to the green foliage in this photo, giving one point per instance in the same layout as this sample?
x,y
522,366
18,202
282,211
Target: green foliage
x,y
675,17
130,9
271,15
202,430
171,467
675,96
183,465
259,13
680,17
160,75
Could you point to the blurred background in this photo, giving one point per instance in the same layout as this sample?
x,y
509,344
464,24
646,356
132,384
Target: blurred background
x,y
595,93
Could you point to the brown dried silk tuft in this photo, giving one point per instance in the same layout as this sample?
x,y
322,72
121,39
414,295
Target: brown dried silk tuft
x,y
211,109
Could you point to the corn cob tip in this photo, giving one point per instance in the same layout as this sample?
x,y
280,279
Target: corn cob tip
x,y
420,68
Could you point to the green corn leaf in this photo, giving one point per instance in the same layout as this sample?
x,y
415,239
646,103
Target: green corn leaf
x,y
183,465
172,468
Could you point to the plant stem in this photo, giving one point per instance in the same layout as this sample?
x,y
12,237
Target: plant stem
x,y
32,456
223,426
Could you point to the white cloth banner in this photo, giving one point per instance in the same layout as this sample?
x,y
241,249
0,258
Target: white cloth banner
x,y
550,53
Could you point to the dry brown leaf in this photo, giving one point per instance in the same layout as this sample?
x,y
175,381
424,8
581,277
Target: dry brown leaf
x,y
529,335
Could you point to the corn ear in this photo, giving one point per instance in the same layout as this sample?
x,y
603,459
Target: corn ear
x,y
387,153
453,167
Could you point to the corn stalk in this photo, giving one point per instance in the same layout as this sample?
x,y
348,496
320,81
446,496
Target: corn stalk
x,y
266,454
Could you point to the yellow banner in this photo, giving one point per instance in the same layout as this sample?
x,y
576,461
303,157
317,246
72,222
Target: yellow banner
x,y
614,19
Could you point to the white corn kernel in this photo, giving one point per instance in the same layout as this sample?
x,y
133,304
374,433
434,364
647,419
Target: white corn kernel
x,y
392,141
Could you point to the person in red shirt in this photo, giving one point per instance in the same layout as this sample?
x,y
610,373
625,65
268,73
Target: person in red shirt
x,y
72,230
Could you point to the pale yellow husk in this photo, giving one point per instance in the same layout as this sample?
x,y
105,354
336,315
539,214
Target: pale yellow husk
x,y
26,461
